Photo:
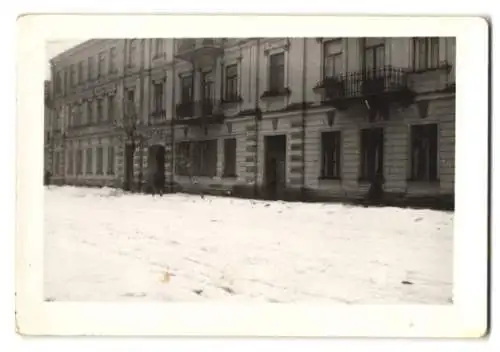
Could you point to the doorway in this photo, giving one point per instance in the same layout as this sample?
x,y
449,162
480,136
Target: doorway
x,y
156,168
275,166
129,166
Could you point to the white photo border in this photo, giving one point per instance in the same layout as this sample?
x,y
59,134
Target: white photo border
x,y
467,317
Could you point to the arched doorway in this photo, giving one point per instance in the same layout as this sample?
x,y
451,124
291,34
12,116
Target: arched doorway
x,y
156,168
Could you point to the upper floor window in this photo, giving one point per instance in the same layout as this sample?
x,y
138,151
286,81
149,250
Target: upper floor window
x,y
425,53
132,52
232,82
186,88
374,53
59,83
277,72
207,84
158,47
90,68
100,116
112,60
158,97
73,75
332,58
101,64
80,72
111,107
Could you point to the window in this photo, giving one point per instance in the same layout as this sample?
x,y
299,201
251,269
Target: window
x,y
158,97
111,107
424,152
131,96
425,53
205,158
56,163
101,65
332,58
69,168
230,157
277,72
79,162
90,68
66,80
158,47
59,83
99,111
183,159
132,52
372,153
89,165
207,84
186,88
111,160
99,160
90,118
80,72
330,154
232,82
374,53
73,74
112,60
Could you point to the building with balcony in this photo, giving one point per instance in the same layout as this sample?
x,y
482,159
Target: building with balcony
x,y
290,118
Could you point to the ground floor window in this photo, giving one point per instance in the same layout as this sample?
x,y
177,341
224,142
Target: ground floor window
x,y
230,157
182,158
205,158
111,160
99,161
372,153
88,169
424,152
56,163
79,162
69,168
197,158
330,154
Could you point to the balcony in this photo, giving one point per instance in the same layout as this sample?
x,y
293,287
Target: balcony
x,y
377,87
201,52
198,112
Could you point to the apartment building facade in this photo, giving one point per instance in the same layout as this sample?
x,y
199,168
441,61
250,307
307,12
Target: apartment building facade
x,y
281,117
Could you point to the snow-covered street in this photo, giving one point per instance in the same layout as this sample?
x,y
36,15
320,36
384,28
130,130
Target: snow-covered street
x,y
102,245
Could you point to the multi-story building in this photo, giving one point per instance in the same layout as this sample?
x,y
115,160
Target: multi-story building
x,y
287,117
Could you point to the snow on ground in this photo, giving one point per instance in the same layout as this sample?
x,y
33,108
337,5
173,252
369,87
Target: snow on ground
x,y
102,244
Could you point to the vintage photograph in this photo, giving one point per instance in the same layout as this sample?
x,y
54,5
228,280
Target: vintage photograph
x,y
277,170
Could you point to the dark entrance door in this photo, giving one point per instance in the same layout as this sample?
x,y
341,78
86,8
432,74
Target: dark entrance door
x,y
275,166
129,166
156,166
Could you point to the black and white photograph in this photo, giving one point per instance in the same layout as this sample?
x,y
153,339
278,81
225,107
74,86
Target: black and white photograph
x,y
250,170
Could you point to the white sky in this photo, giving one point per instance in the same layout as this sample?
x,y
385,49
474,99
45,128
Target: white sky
x,y
56,47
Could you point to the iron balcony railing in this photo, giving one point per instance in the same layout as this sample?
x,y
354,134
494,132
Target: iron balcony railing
x,y
365,83
200,108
